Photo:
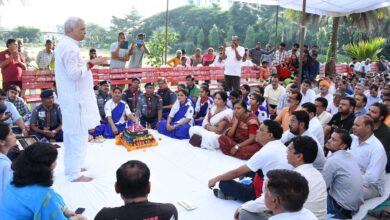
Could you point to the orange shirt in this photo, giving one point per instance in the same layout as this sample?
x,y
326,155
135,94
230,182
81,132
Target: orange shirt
x,y
174,62
284,118
387,120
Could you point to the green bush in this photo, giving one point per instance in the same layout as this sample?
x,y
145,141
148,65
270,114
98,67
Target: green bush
x,y
366,49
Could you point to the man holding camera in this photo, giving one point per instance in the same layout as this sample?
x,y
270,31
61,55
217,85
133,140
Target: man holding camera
x,y
119,54
12,64
137,51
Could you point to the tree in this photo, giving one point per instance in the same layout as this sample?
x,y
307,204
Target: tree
x,y
157,46
97,35
28,34
129,24
229,34
214,36
190,35
200,38
250,37
322,38
366,49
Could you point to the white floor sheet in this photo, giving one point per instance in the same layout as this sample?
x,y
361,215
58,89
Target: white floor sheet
x,y
178,172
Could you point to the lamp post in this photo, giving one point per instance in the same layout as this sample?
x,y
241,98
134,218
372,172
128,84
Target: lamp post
x,y
166,33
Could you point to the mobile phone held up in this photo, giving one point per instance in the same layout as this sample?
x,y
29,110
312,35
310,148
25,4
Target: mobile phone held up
x,y
139,42
79,211
124,45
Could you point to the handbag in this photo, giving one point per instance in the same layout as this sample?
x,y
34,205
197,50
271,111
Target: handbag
x,y
196,140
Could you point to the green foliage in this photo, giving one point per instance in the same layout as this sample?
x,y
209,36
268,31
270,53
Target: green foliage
x,y
229,34
214,36
98,37
129,24
366,49
28,34
322,37
250,37
157,46
340,58
200,38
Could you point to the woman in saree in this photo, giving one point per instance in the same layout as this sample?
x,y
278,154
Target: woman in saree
x,y
239,140
180,118
117,111
214,124
29,195
209,57
203,105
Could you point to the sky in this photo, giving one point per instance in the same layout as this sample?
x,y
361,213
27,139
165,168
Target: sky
x,y
46,14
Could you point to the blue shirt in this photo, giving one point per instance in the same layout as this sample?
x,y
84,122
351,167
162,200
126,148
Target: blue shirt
x,y
14,113
5,172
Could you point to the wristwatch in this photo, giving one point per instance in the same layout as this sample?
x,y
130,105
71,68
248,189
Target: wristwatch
x,y
237,147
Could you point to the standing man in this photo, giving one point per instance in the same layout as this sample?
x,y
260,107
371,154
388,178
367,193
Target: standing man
x,y
76,97
119,54
12,64
137,51
233,56
256,53
45,56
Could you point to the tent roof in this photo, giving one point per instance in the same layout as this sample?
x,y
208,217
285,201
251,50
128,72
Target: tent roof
x,y
334,8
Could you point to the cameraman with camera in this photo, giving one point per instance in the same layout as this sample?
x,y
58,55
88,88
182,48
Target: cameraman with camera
x,y
137,51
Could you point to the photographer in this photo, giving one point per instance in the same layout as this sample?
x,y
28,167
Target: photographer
x,y
137,51
119,54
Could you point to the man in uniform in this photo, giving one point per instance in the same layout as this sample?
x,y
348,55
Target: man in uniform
x,y
103,96
132,94
149,108
167,95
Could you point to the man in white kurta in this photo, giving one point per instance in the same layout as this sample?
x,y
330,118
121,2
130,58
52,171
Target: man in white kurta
x,y
76,97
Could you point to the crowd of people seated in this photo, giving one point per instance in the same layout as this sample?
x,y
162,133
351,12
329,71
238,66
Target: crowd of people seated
x,y
325,136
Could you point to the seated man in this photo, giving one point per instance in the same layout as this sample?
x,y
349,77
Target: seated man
x,y
13,97
344,118
46,118
286,193
301,154
167,95
132,94
103,96
180,119
315,127
342,177
371,156
149,108
271,156
117,113
192,89
11,115
132,183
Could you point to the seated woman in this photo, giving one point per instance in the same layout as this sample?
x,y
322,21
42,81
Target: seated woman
x,y
256,107
29,195
239,139
209,57
179,119
214,124
203,105
115,122
7,141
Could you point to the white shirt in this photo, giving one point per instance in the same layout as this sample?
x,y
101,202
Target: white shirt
x,y
217,63
247,63
300,215
189,114
75,88
271,156
115,64
232,65
273,95
316,201
310,96
371,157
317,130
324,118
328,97
332,109
110,105
320,159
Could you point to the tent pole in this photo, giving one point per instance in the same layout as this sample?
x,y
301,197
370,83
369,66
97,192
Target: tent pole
x,y
276,26
302,41
166,33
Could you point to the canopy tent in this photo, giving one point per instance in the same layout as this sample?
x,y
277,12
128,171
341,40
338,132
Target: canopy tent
x,y
334,8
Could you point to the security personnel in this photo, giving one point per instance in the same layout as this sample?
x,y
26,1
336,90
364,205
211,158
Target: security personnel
x,y
149,108
103,96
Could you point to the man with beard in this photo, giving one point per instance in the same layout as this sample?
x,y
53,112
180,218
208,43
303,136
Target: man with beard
x,y
13,97
324,90
371,157
342,177
284,116
132,94
378,113
344,118
299,126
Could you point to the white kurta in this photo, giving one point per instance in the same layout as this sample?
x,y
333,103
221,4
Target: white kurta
x,y
78,103
210,139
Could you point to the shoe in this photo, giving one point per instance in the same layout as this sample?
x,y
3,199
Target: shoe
x,y
219,194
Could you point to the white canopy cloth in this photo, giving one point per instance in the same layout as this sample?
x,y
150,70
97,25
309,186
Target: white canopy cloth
x,y
334,8
178,172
